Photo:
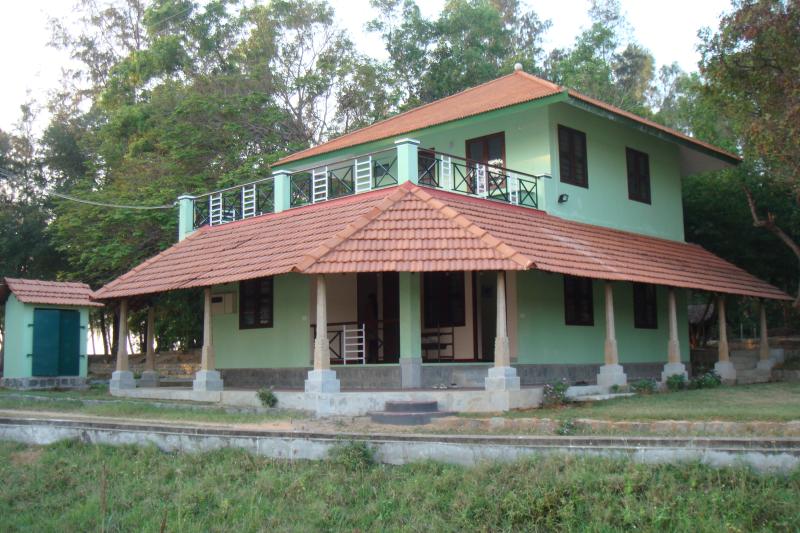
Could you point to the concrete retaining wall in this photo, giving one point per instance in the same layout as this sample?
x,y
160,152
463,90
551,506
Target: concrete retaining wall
x,y
777,455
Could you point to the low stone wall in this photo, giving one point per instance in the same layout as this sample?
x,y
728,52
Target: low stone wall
x,y
41,383
359,377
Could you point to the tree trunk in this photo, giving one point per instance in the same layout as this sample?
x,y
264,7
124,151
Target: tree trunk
x,y
769,224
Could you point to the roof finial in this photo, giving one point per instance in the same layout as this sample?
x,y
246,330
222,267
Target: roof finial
x,y
517,66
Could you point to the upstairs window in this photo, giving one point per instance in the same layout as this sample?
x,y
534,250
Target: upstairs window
x,y
638,175
645,311
256,303
488,150
444,299
578,301
572,156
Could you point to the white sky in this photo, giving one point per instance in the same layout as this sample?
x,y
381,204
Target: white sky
x,y
30,68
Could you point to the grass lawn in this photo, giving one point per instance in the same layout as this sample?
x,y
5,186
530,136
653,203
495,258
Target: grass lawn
x,y
777,402
67,402
71,486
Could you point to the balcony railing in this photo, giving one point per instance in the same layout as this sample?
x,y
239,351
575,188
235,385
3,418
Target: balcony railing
x,y
365,173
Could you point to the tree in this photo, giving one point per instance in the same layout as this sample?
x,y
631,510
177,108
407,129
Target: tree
x,y
751,68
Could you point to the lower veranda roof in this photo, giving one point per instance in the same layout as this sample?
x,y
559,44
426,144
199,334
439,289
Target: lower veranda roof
x,y
34,291
408,228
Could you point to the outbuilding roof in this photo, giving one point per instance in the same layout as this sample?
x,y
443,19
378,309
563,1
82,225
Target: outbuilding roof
x,y
515,88
417,229
34,291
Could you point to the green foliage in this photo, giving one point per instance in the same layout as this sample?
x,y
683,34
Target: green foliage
x,y
567,427
267,397
709,380
555,394
644,386
354,456
676,382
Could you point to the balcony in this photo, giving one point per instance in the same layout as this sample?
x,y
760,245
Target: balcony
x,y
372,171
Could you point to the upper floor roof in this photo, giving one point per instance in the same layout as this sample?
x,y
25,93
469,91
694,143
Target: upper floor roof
x,y
513,89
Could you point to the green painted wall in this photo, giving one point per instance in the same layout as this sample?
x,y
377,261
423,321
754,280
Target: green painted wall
x,y
286,344
545,339
410,316
606,201
19,338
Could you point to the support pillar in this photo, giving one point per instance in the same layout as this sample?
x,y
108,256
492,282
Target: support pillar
x,y
724,368
185,216
282,187
502,376
150,376
207,378
122,377
611,373
765,362
674,365
322,378
407,162
410,331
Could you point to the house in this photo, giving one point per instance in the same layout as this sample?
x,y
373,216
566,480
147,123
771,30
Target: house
x,y
509,235
46,327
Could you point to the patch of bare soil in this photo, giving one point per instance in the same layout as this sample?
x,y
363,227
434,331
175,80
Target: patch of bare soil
x,y
26,457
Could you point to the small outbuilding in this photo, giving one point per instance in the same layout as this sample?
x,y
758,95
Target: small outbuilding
x,y
45,335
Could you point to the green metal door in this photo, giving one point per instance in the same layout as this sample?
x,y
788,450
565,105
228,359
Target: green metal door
x,y
70,344
46,333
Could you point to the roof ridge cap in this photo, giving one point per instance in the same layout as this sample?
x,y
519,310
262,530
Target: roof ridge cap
x,y
356,225
497,244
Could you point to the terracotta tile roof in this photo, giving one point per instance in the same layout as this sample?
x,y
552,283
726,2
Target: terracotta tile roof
x,y
32,291
512,89
411,228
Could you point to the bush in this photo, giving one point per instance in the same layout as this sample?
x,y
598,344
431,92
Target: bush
x,y
555,394
644,386
567,427
709,380
267,397
353,456
676,382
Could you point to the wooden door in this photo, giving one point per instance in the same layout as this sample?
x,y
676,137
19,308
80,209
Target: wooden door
x,y
391,317
46,341
69,343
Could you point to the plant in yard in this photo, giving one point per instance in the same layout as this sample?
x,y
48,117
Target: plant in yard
x,y
709,380
676,382
644,386
353,456
555,394
267,397
567,427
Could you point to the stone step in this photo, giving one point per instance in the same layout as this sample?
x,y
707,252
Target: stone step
x,y
405,418
411,406
747,377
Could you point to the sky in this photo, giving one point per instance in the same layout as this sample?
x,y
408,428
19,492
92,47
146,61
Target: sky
x,y
31,68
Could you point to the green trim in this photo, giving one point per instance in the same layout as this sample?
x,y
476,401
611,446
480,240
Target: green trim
x,y
410,316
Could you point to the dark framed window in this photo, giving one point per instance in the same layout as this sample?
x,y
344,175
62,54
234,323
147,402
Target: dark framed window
x,y
489,149
645,309
638,175
572,157
426,163
444,299
256,303
578,301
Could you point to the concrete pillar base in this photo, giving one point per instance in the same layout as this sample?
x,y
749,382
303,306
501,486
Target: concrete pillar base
x,y
726,371
410,372
207,380
672,369
149,379
765,364
121,380
611,375
501,378
322,381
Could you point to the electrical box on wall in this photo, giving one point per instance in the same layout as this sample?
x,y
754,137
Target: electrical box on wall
x,y
222,304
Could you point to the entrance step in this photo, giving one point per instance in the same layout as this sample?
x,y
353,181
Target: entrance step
x,y
746,377
408,413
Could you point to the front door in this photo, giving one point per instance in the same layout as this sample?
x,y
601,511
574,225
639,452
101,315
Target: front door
x,y
56,342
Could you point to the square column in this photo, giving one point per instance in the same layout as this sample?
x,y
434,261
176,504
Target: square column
x,y
207,379
724,368
674,365
764,360
410,331
282,190
322,378
122,377
150,376
407,162
611,373
502,376
185,216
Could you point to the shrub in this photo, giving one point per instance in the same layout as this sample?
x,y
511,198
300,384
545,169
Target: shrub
x,y
644,386
353,456
267,397
555,394
709,380
676,382
567,427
